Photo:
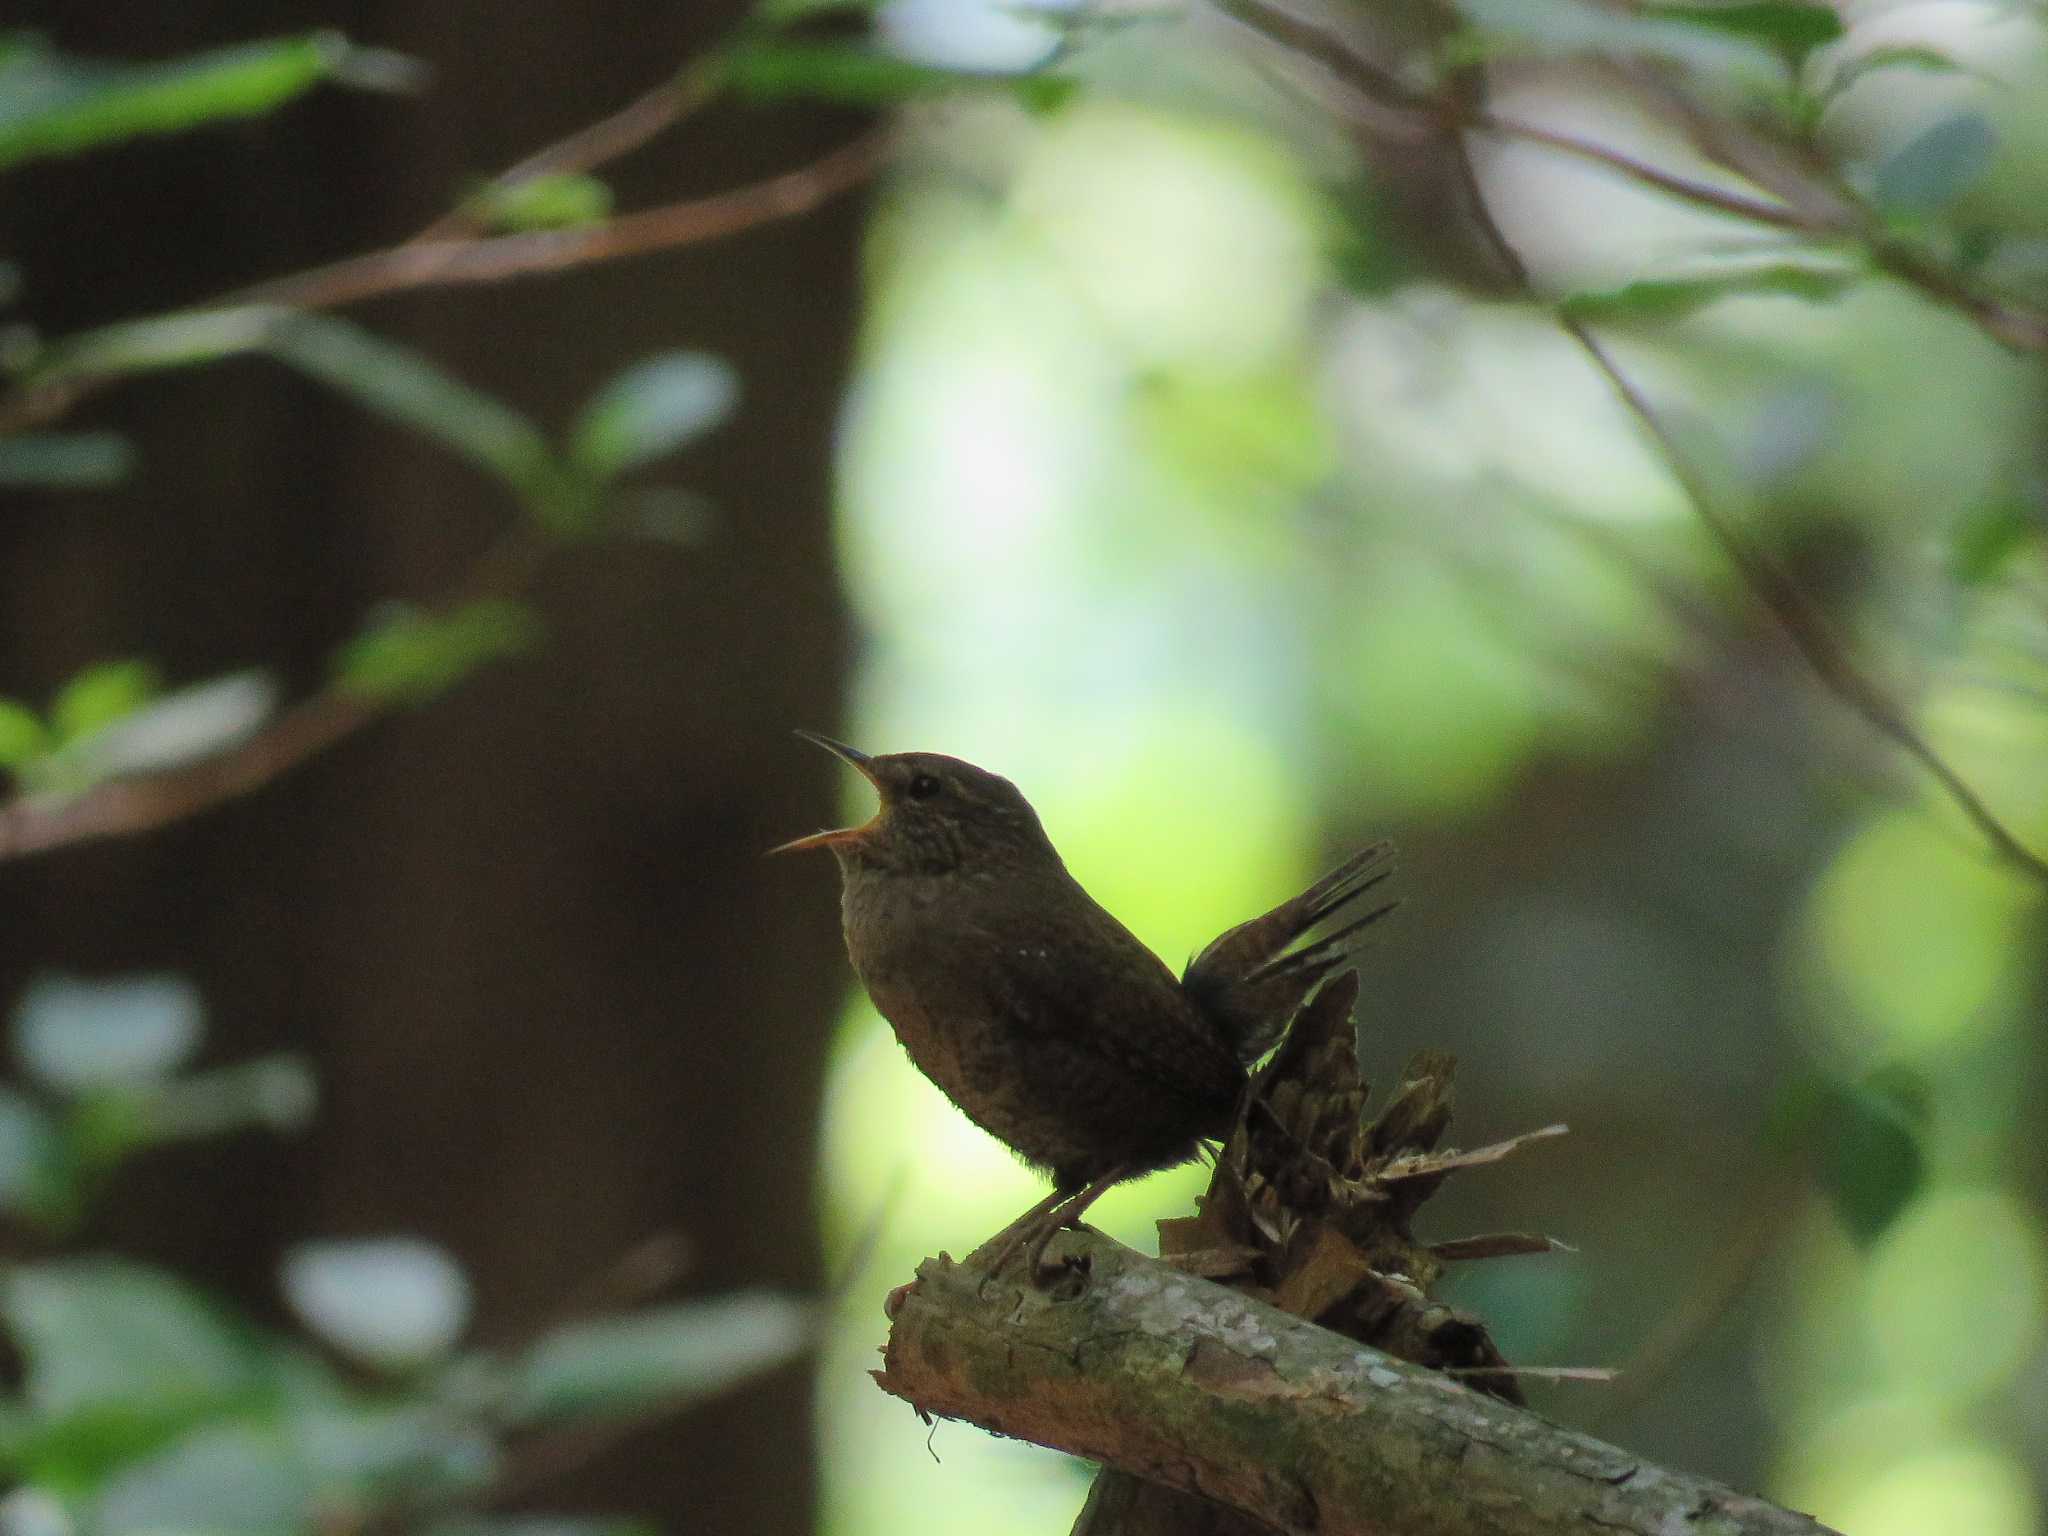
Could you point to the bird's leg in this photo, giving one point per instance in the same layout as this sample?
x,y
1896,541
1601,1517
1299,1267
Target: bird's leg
x,y
1036,1228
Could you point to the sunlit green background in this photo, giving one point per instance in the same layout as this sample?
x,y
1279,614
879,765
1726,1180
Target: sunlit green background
x,y
1186,484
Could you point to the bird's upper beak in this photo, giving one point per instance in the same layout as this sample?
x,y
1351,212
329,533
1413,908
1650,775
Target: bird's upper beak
x,y
827,839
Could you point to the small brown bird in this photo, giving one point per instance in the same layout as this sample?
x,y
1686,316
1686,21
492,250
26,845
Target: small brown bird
x,y
1038,1013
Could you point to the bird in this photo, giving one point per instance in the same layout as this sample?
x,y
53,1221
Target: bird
x,y
1039,1014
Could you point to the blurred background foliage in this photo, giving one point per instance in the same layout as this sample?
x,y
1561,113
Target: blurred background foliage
x,y
1206,466
1203,471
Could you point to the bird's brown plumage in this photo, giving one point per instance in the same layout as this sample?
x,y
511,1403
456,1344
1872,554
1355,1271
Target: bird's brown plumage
x,y
1038,1013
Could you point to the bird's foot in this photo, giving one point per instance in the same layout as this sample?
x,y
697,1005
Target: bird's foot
x,y
1031,1234
1028,1239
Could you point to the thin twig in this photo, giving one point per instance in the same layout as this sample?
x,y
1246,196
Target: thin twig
x,y
440,254
1700,193
1817,209
1803,201
1774,588
598,143
138,802
442,262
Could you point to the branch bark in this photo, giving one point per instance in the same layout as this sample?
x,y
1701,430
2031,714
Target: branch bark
x,y
1187,1383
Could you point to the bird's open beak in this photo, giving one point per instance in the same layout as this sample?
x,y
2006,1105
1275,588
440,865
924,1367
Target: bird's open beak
x,y
853,755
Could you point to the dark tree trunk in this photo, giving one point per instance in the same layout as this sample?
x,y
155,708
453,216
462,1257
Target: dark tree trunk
x,y
557,1000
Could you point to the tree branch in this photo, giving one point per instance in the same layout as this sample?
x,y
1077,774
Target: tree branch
x,y
442,260
137,802
1806,199
1810,203
1190,1384
1780,595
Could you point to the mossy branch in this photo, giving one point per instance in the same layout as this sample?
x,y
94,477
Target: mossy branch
x,y
1187,1383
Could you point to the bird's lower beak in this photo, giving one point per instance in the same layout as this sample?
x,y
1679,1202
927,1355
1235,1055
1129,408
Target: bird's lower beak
x,y
836,835
815,840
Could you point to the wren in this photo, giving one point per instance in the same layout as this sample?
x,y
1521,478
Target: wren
x,y
1038,1013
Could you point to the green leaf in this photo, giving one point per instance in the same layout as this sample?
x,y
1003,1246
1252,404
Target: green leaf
x,y
99,696
387,378
563,201
57,104
541,1525
773,15
224,1480
402,385
865,77
1914,56
1989,538
1566,29
1664,298
395,1303
1788,24
108,1334
159,342
275,1093
411,656
76,1036
1871,1160
669,1354
178,727
30,1155
1865,1138
70,461
1935,167
23,736
652,409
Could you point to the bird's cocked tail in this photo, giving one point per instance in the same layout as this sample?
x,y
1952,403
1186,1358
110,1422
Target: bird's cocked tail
x,y
1253,980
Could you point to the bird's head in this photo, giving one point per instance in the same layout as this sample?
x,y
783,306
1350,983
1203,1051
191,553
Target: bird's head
x,y
937,814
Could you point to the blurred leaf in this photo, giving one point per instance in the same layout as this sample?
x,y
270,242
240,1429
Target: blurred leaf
x,y
395,1302
75,1036
773,14
105,1333
1935,167
1988,539
277,1093
223,1480
100,695
162,341
397,382
72,461
1564,29
1865,1138
652,409
541,1525
102,1127
376,1449
412,656
864,77
1872,1164
1793,26
564,201
30,1154
389,379
30,1511
1912,56
668,1354
179,727
23,736
666,514
53,103
1661,298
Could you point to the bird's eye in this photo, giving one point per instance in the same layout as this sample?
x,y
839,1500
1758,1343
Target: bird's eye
x,y
924,786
